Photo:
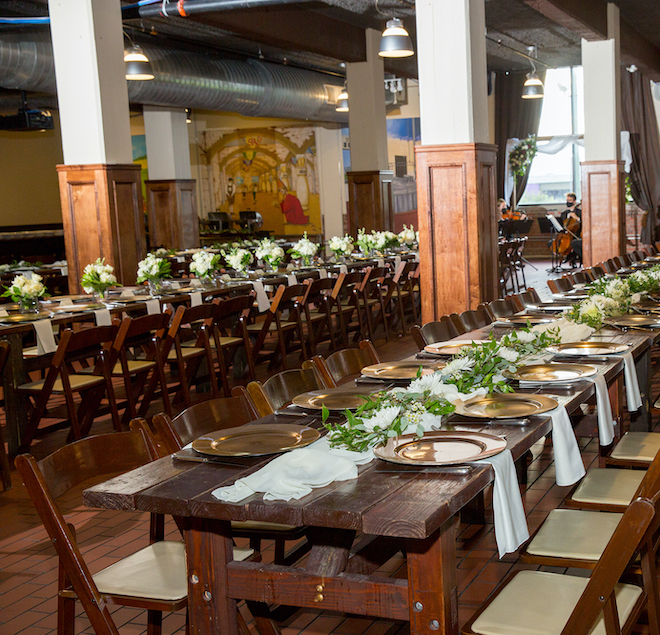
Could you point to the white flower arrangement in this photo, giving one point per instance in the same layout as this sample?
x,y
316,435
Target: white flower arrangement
x,y
153,269
238,258
365,242
385,239
204,264
24,291
304,249
341,246
521,156
163,252
270,252
408,236
98,277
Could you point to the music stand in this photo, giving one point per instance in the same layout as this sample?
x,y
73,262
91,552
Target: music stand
x,y
550,225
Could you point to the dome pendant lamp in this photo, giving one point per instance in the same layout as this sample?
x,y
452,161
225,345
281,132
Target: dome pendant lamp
x,y
138,67
395,41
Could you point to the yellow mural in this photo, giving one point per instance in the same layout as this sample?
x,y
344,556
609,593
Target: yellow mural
x,y
267,170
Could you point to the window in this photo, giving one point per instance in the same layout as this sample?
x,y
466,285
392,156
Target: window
x,y
562,113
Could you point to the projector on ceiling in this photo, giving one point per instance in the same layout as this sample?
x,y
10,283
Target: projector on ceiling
x,y
27,120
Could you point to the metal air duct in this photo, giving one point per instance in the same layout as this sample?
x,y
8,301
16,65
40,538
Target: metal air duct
x,y
188,80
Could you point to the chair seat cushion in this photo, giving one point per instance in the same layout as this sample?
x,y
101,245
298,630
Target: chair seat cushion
x,y
540,603
191,351
271,327
612,486
157,571
78,382
134,366
574,533
637,446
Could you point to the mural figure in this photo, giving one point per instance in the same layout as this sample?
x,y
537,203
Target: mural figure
x,y
291,206
231,193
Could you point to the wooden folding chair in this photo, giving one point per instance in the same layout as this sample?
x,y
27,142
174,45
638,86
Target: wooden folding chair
x,y
371,295
404,298
345,363
348,308
500,308
4,461
153,578
280,389
440,331
61,379
318,314
416,332
476,319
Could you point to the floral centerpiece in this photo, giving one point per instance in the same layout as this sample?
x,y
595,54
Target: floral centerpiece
x,y
365,242
477,370
271,253
98,278
204,264
385,240
521,156
163,252
341,246
304,249
408,236
238,258
26,292
153,270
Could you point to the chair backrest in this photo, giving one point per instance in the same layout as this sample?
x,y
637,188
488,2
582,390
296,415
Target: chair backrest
x,y
597,271
95,457
457,323
475,319
202,418
344,363
527,297
437,332
500,308
281,388
560,285
418,338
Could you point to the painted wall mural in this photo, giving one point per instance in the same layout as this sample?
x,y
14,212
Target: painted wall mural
x,y
267,170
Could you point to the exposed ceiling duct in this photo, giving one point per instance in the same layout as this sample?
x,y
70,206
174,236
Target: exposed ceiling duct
x,y
188,80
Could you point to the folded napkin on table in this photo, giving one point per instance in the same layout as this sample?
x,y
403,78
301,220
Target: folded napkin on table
x,y
633,395
262,297
323,273
343,269
102,317
397,263
508,511
380,262
568,331
195,298
45,338
569,468
294,474
3,313
291,279
127,294
66,302
153,306
175,285
195,282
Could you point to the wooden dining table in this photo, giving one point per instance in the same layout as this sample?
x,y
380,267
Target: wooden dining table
x,y
353,527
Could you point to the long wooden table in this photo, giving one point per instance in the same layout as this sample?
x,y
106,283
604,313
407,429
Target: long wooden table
x,y
353,527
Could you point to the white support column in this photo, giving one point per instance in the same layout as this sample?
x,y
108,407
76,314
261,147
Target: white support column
x,y
168,146
453,91
88,50
331,179
366,115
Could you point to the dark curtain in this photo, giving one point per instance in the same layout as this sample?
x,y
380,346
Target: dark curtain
x,y
515,117
638,117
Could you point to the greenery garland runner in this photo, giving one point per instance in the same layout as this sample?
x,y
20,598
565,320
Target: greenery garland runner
x,y
477,370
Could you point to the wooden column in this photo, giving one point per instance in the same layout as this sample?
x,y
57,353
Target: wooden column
x,y
172,210
456,211
370,200
103,218
603,211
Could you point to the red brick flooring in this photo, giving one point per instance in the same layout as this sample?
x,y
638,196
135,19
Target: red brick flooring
x,y
28,566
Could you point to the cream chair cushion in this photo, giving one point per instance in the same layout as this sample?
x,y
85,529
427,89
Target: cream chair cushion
x,y
616,487
574,533
639,446
185,352
77,382
540,603
157,571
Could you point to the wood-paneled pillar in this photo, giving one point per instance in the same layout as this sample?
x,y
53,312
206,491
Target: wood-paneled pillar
x,y
370,200
172,212
456,196
103,218
603,207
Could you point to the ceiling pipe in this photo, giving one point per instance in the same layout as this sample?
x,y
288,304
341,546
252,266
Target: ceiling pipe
x,y
184,8
188,80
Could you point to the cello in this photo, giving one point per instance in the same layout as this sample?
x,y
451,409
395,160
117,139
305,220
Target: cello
x,y
562,244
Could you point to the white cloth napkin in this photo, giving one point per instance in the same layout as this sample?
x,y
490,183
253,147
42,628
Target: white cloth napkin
x,y
66,302
262,297
604,408
343,269
380,262
568,331
127,294
45,338
180,258
102,317
633,395
569,467
3,313
153,306
195,282
508,511
294,474
195,298
397,263
175,285
291,279
323,273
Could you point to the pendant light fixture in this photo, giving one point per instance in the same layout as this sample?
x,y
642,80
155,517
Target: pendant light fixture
x,y
342,100
533,86
395,41
138,67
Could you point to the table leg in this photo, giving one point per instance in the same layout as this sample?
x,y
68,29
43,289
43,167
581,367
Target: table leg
x,y
17,405
432,590
209,549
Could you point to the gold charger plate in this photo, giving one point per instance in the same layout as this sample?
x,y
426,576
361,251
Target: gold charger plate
x,y
255,440
449,348
634,320
17,318
77,308
440,448
549,307
589,348
551,372
333,398
505,406
399,370
523,319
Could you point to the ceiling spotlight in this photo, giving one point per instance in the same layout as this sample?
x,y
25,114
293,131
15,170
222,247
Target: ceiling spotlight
x,y
533,86
138,67
395,41
342,100
188,116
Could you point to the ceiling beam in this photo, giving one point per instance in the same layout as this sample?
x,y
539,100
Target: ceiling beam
x,y
587,18
636,49
293,29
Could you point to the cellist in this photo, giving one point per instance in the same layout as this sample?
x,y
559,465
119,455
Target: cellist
x,y
571,220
